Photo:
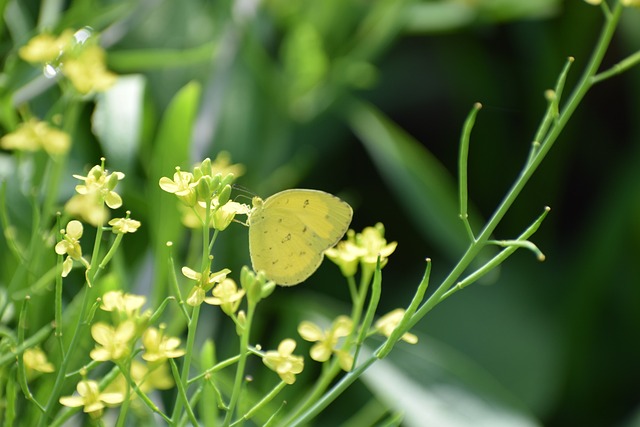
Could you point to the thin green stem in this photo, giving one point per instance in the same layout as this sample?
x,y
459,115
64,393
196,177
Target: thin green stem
x,y
463,167
266,399
239,379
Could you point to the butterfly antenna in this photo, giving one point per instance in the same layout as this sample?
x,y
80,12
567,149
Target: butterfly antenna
x,y
248,193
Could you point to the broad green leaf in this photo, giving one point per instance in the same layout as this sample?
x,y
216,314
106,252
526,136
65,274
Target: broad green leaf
x,y
431,384
171,149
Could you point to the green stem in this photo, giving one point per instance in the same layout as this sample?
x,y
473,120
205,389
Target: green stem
x,y
244,346
462,167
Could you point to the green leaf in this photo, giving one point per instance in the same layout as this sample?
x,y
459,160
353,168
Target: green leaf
x,y
171,149
431,384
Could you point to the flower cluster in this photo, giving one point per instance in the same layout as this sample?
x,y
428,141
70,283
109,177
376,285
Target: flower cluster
x,y
362,248
115,342
76,55
34,135
70,246
206,192
98,190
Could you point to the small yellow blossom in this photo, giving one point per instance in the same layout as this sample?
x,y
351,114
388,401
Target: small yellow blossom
x,y
183,186
124,225
227,295
327,340
91,398
156,378
631,3
88,71
364,247
99,181
88,207
70,245
390,321
113,343
34,135
221,218
283,362
205,283
158,347
127,304
146,378
45,47
222,164
35,361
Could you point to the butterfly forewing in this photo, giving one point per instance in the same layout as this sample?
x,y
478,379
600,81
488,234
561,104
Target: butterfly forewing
x,y
291,230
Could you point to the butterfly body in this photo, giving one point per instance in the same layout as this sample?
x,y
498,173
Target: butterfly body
x,y
289,232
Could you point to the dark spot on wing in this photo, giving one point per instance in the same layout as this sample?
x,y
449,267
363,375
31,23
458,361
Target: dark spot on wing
x,y
305,203
286,238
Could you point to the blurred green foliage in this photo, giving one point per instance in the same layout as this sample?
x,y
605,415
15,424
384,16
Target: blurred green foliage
x,y
365,99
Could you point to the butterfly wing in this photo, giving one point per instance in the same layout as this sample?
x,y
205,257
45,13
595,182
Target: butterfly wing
x,y
290,231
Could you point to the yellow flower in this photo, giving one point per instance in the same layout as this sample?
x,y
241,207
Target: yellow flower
x,y
156,378
363,247
45,47
124,225
35,361
346,255
158,347
147,379
88,71
224,215
183,186
100,182
327,341
390,321
34,135
90,397
227,296
88,207
205,283
222,164
113,343
127,304
632,3
283,362
70,245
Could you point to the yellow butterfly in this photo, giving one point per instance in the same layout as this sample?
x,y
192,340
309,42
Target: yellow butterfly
x,y
289,232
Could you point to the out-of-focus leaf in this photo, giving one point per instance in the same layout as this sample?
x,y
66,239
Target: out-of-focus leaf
x,y
171,149
423,186
434,386
439,16
154,59
117,120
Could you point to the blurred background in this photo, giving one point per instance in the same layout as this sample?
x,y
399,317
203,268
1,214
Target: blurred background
x,y
366,99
